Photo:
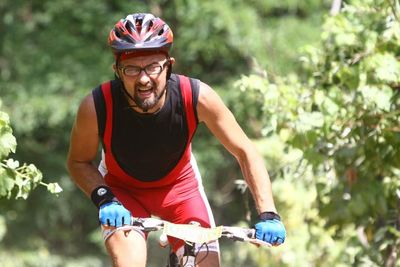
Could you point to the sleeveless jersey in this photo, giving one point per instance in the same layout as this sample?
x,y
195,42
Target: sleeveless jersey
x,y
147,150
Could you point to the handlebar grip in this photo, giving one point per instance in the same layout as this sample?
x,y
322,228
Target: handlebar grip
x,y
252,233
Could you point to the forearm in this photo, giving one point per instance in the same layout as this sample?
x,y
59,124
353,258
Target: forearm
x,y
88,178
85,175
257,178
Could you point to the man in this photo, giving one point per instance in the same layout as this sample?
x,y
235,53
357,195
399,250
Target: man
x,y
145,120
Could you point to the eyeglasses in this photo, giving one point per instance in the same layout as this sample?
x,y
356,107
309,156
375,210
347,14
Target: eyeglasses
x,y
151,69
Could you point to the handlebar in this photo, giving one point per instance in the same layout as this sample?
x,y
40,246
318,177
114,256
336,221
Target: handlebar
x,y
188,232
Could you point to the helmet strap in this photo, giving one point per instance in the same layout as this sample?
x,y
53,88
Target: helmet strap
x,y
169,71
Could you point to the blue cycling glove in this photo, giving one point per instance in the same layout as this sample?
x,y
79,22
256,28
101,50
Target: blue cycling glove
x,y
111,211
114,214
270,229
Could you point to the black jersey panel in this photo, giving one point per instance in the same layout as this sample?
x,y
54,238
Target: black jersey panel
x,y
100,107
148,147
195,84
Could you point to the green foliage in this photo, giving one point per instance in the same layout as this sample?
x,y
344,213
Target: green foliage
x,y
15,180
7,140
222,40
55,52
342,112
42,257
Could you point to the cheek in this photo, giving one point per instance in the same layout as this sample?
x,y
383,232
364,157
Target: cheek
x,y
128,83
161,81
161,84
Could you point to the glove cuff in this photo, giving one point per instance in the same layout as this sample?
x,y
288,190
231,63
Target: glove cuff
x,y
269,215
101,195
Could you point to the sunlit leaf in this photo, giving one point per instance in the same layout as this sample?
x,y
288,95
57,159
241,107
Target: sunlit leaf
x,y
12,164
6,184
8,144
54,188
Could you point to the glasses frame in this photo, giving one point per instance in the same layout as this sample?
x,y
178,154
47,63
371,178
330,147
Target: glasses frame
x,y
145,68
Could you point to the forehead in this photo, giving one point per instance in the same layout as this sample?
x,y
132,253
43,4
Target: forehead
x,y
144,60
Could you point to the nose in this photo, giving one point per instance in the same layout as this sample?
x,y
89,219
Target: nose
x,y
143,78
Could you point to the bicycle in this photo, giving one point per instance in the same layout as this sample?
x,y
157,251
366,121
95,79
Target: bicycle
x,y
192,234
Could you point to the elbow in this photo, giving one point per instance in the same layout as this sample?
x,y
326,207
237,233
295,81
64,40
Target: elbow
x,y
73,167
247,152
69,163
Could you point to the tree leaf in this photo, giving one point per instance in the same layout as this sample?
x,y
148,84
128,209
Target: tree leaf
x,y
54,188
8,143
309,120
12,164
6,184
381,98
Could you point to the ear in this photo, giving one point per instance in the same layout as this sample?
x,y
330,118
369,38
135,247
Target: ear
x,y
115,69
172,61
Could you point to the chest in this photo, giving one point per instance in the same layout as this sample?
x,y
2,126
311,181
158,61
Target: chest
x,y
148,135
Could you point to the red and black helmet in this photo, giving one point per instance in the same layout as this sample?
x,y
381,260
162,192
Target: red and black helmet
x,y
140,32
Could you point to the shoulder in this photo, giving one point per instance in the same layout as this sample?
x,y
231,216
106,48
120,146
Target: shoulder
x,y
210,104
87,107
185,85
177,79
87,116
173,80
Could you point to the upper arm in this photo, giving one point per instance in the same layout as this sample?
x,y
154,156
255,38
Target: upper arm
x,y
219,119
84,135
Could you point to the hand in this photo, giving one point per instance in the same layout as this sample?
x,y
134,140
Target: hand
x,y
272,231
114,214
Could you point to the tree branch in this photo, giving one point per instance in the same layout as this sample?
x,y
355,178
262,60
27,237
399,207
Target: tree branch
x,y
335,8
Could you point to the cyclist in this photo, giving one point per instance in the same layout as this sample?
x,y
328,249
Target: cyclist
x,y
145,120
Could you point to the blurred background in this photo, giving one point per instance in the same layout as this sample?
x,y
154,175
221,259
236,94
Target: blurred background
x,y
315,84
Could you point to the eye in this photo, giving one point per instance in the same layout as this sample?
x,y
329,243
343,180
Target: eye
x,y
153,67
131,70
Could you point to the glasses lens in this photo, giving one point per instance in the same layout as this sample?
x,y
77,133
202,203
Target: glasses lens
x,y
132,70
153,69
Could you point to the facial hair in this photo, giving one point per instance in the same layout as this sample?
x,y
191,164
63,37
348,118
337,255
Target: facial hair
x,y
147,103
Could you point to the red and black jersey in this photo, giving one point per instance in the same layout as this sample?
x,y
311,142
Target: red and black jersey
x,y
147,150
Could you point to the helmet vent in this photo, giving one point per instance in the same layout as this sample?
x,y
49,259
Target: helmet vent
x,y
161,31
138,24
128,26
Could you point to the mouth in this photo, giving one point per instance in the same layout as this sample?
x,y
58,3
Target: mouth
x,y
144,93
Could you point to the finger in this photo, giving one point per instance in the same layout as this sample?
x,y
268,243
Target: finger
x,y
126,220
278,241
259,234
268,238
129,219
275,243
118,221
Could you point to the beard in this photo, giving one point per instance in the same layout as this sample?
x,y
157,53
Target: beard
x,y
150,102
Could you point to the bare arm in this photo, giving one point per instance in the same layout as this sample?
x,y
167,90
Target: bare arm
x,y
223,125
83,148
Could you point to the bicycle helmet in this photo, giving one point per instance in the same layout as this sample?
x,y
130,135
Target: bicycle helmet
x,y
140,32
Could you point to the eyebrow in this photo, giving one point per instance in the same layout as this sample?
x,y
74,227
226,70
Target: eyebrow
x,y
130,65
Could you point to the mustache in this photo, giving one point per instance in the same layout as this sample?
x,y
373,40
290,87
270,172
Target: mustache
x,y
148,86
